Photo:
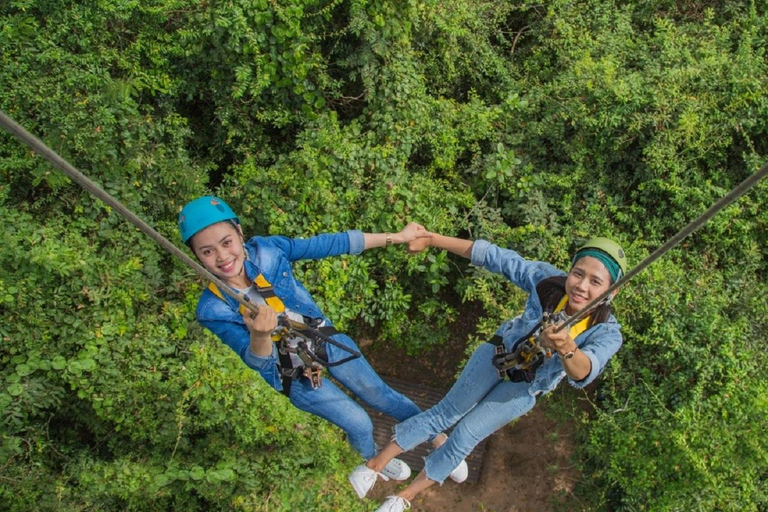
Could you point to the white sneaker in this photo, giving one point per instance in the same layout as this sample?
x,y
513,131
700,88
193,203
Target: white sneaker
x,y
362,479
461,472
394,504
396,469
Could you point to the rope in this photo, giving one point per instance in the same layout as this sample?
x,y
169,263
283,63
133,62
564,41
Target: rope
x,y
40,148
727,199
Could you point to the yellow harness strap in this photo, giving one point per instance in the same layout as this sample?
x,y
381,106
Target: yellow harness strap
x,y
576,328
265,290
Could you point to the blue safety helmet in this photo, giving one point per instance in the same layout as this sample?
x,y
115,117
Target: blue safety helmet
x,y
201,213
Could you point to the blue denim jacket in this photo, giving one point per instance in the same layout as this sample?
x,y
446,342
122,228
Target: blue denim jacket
x,y
599,342
272,256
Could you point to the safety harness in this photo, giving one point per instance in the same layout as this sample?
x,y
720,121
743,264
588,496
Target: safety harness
x,y
525,357
307,340
519,358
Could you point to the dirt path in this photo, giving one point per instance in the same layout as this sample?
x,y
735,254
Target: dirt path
x,y
527,464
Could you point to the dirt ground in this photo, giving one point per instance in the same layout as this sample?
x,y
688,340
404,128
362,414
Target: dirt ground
x,y
526,467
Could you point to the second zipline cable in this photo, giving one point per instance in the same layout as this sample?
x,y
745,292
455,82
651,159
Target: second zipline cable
x,y
695,224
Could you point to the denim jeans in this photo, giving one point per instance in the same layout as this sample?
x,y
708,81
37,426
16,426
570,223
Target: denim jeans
x,y
479,403
332,404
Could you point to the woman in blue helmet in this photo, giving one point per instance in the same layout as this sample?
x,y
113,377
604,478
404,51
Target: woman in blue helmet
x,y
481,401
260,269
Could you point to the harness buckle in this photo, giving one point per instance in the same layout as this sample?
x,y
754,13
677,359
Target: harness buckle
x,y
315,375
498,362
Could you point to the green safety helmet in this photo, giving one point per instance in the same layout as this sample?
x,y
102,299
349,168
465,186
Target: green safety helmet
x,y
203,212
606,246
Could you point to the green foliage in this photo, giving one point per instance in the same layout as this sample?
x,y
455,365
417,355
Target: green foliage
x,y
681,410
532,125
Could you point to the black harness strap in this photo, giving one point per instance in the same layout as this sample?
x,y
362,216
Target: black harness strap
x,y
501,357
287,372
496,341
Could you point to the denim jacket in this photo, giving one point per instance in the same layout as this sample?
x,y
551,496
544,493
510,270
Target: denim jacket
x,y
599,342
272,256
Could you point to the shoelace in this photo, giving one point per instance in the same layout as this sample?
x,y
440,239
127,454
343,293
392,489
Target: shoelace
x,y
395,500
373,475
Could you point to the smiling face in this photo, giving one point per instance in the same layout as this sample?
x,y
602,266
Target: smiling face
x,y
587,279
219,248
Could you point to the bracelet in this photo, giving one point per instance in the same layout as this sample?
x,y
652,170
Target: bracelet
x,y
389,239
567,355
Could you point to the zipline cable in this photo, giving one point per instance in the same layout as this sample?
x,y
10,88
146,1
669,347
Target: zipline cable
x,y
727,199
40,148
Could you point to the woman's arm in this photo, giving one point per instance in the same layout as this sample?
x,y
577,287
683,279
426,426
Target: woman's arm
x,y
521,272
335,244
577,365
408,234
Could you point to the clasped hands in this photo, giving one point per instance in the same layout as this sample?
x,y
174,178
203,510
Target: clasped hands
x,y
416,236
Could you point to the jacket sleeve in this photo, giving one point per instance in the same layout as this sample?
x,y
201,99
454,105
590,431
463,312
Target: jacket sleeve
x,y
523,273
319,246
237,338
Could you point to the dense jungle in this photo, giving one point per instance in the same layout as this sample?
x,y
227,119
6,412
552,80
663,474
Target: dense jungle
x,y
531,124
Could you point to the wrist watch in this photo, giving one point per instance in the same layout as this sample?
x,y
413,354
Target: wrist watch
x,y
567,355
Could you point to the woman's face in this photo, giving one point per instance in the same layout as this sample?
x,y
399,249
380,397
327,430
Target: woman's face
x,y
219,248
586,281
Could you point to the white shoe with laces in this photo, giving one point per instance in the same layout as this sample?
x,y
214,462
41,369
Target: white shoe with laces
x,y
362,479
461,472
394,504
396,469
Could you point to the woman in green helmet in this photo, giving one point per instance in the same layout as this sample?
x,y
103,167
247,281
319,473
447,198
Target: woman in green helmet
x,y
485,399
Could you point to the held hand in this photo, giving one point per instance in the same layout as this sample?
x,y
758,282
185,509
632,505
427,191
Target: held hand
x,y
560,342
262,324
418,245
413,231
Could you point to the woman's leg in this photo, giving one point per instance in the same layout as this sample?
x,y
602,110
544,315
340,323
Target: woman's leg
x,y
476,380
361,379
419,484
332,404
506,402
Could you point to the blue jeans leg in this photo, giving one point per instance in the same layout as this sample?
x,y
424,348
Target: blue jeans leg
x,y
361,379
506,401
332,404
477,379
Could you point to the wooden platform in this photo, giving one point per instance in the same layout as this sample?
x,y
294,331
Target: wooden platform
x,y
425,398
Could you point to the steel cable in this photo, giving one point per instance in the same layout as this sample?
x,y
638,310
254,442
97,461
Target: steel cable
x,y
702,219
51,156
38,146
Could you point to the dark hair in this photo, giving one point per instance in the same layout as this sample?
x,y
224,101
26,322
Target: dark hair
x,y
551,291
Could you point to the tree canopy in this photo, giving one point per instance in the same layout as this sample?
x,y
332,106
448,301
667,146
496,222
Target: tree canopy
x,y
534,125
